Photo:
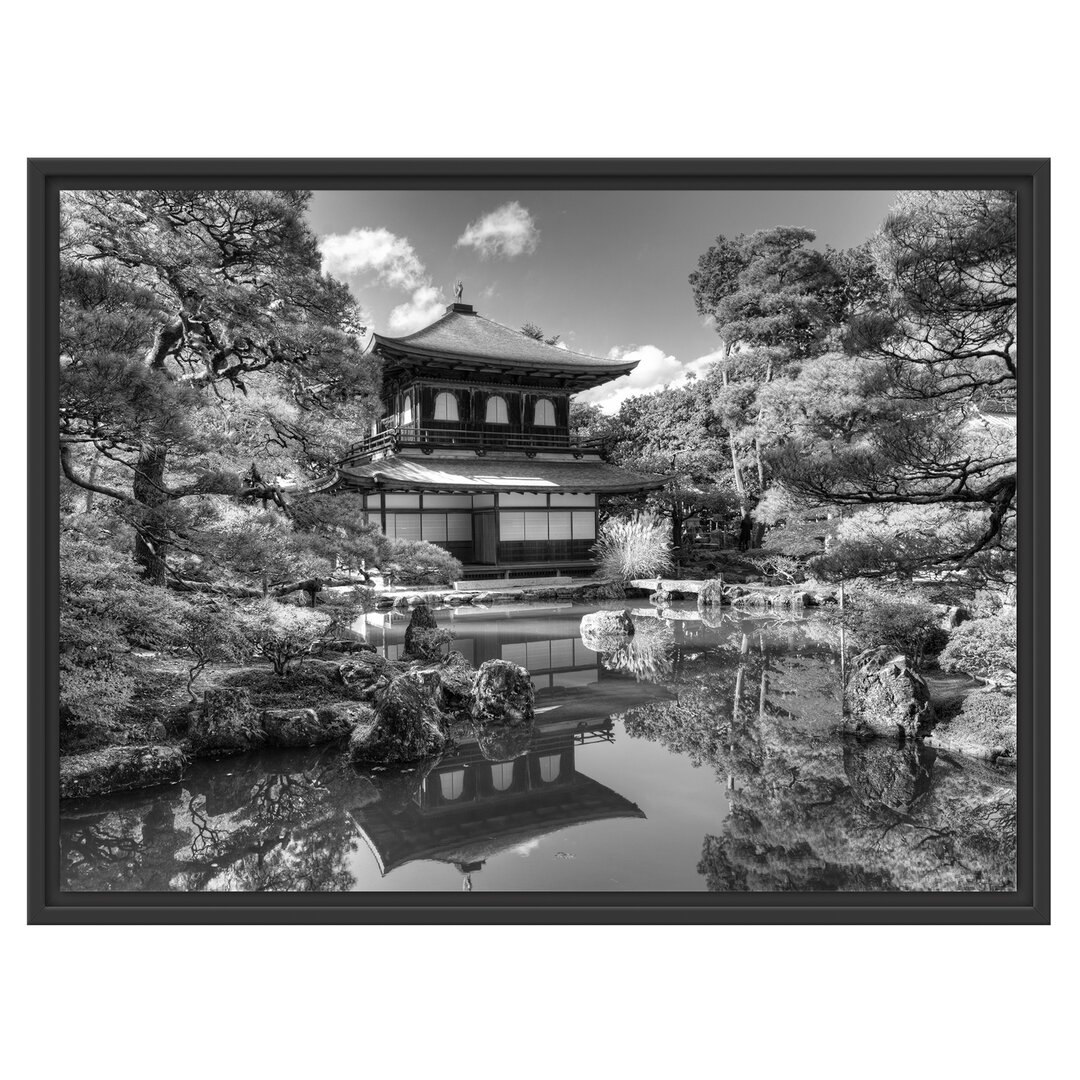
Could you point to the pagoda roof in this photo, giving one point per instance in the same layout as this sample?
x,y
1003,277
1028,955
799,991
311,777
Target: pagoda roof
x,y
479,830
496,474
464,336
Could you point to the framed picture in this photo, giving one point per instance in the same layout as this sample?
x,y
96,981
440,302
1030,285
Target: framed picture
x,y
539,541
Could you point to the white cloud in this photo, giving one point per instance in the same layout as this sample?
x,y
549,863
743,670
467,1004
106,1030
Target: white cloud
x,y
424,306
508,230
377,251
655,370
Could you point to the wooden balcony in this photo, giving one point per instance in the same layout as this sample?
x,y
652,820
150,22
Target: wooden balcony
x,y
480,439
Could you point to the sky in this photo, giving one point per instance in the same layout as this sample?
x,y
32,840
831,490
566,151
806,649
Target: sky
x,y
606,270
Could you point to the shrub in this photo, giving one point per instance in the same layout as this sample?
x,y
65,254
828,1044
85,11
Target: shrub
x,y
211,635
106,609
282,633
415,562
908,626
638,546
985,648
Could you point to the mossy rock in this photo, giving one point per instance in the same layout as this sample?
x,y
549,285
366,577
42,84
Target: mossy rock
x,y
119,768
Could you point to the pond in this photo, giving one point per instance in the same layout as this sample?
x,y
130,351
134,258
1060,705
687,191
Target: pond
x,y
701,756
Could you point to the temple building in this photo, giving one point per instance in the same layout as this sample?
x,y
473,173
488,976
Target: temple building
x,y
474,453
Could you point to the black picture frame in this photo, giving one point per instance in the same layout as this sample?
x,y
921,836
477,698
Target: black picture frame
x,y
1030,904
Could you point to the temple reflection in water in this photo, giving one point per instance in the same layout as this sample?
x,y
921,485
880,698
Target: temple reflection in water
x,y
469,808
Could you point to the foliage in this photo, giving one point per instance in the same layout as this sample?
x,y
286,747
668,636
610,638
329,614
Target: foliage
x,y
211,635
633,547
898,539
672,433
985,648
532,330
881,619
416,562
912,418
197,332
281,633
106,609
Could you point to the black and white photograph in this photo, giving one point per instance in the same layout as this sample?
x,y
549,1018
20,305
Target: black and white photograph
x,y
538,540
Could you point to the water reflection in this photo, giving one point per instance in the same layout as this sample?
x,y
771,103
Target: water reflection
x,y
702,755
468,809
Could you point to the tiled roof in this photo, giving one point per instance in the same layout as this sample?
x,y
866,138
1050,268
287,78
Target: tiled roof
x,y
462,333
495,474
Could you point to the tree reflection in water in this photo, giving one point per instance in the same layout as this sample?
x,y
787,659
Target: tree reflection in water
x,y
754,700
810,810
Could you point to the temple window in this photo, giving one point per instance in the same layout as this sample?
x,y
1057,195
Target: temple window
x,y
496,410
451,784
502,775
544,413
550,767
446,407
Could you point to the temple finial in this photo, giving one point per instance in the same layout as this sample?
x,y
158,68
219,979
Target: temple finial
x,y
459,288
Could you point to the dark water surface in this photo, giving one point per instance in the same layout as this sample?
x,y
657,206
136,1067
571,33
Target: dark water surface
x,y
702,756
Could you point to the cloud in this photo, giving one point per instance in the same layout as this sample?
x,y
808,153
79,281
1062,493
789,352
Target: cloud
x,y
508,230
377,251
424,306
394,262
655,370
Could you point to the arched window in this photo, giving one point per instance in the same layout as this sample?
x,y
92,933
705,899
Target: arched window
x,y
550,767
451,784
496,410
406,409
445,407
502,775
544,413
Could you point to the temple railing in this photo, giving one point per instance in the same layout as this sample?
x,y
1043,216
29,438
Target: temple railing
x,y
431,439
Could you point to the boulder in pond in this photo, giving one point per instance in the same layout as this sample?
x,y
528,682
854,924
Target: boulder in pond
x,y
310,727
502,693
712,593
119,768
421,635
456,677
225,721
888,696
409,721
603,631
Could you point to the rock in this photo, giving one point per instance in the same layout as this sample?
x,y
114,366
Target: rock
x,y
456,678
362,670
409,721
884,775
887,696
225,721
603,631
611,590
660,597
712,593
480,598
503,693
119,768
310,727
423,638
498,742
401,602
